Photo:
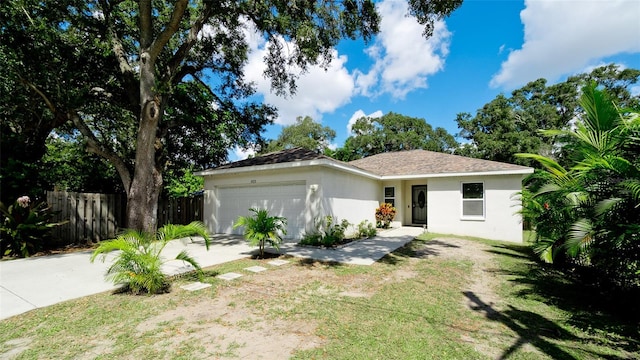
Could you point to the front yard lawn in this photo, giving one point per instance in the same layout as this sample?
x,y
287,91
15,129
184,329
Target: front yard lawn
x,y
436,298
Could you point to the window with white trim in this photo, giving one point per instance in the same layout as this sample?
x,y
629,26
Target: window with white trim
x,y
473,200
390,195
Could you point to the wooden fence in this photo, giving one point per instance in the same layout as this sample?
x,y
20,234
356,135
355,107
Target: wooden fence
x,y
96,217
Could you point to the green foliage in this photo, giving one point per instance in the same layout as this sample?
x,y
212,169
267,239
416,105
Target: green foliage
x,y
385,214
587,214
508,125
137,266
393,132
261,229
25,228
183,184
305,133
67,166
328,232
157,85
366,229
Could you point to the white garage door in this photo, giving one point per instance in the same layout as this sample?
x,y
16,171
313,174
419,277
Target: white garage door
x,y
287,200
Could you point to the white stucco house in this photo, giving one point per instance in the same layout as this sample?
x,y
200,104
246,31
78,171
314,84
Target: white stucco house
x,y
446,193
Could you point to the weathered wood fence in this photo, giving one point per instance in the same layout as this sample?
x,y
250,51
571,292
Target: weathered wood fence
x,y
96,217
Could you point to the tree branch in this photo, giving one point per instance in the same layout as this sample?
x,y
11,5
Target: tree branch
x,y
44,97
171,28
191,40
94,146
146,29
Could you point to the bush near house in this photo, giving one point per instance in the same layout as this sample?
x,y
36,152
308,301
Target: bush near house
x,y
328,232
366,229
385,215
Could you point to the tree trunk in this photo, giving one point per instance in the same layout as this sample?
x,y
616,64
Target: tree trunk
x,y
143,194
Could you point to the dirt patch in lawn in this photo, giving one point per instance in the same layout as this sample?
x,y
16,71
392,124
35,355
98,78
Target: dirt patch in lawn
x,y
480,295
483,281
248,318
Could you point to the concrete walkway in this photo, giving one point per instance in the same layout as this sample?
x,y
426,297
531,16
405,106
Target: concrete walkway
x,y
27,284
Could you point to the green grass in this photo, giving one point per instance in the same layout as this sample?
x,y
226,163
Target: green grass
x,y
564,319
411,308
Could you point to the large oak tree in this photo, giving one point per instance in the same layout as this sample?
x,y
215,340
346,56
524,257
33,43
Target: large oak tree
x,y
149,83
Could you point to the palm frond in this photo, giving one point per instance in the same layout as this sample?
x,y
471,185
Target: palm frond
x,y
601,113
184,256
544,248
633,186
551,165
581,236
606,205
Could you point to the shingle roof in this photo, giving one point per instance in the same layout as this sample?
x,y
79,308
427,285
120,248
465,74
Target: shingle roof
x,y
402,163
277,157
421,162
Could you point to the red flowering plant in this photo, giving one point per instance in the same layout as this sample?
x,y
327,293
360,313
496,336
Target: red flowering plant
x,y
385,215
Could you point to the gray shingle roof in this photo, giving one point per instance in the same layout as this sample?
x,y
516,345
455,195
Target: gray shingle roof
x,y
277,157
402,163
421,162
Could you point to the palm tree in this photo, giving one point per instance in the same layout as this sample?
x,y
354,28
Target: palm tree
x,y
595,202
262,228
137,268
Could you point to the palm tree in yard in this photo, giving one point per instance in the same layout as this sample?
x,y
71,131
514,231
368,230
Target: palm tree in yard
x,y
590,212
261,229
137,267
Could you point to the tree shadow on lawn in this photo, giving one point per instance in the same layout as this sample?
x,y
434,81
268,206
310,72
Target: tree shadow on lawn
x,y
588,308
416,249
531,328
309,262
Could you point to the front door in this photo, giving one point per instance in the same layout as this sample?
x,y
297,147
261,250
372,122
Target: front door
x,y
419,204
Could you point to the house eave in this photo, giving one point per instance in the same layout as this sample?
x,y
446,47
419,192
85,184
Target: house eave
x,y
464,174
290,165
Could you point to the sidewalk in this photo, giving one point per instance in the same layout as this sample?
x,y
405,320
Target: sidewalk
x,y
27,284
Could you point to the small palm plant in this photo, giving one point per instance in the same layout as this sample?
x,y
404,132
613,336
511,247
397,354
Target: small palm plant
x,y
138,265
261,228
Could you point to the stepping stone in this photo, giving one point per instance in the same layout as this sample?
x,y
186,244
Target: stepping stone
x,y
256,269
229,276
278,262
195,286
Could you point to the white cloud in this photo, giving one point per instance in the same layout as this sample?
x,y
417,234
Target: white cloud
x,y
403,58
562,37
359,114
318,91
241,154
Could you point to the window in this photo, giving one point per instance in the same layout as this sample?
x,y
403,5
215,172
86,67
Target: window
x,y
473,200
390,195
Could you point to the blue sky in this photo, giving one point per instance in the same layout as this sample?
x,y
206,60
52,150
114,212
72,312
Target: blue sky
x,y
485,48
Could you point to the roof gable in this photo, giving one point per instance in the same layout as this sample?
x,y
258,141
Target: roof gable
x,y
422,162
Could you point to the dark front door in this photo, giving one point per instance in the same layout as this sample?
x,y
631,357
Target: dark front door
x,y
419,204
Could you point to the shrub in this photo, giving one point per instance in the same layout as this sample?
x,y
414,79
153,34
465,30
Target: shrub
x,y
327,233
366,229
262,228
138,265
385,215
25,228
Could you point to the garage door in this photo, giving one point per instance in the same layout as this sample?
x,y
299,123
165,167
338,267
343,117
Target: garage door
x,y
286,200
